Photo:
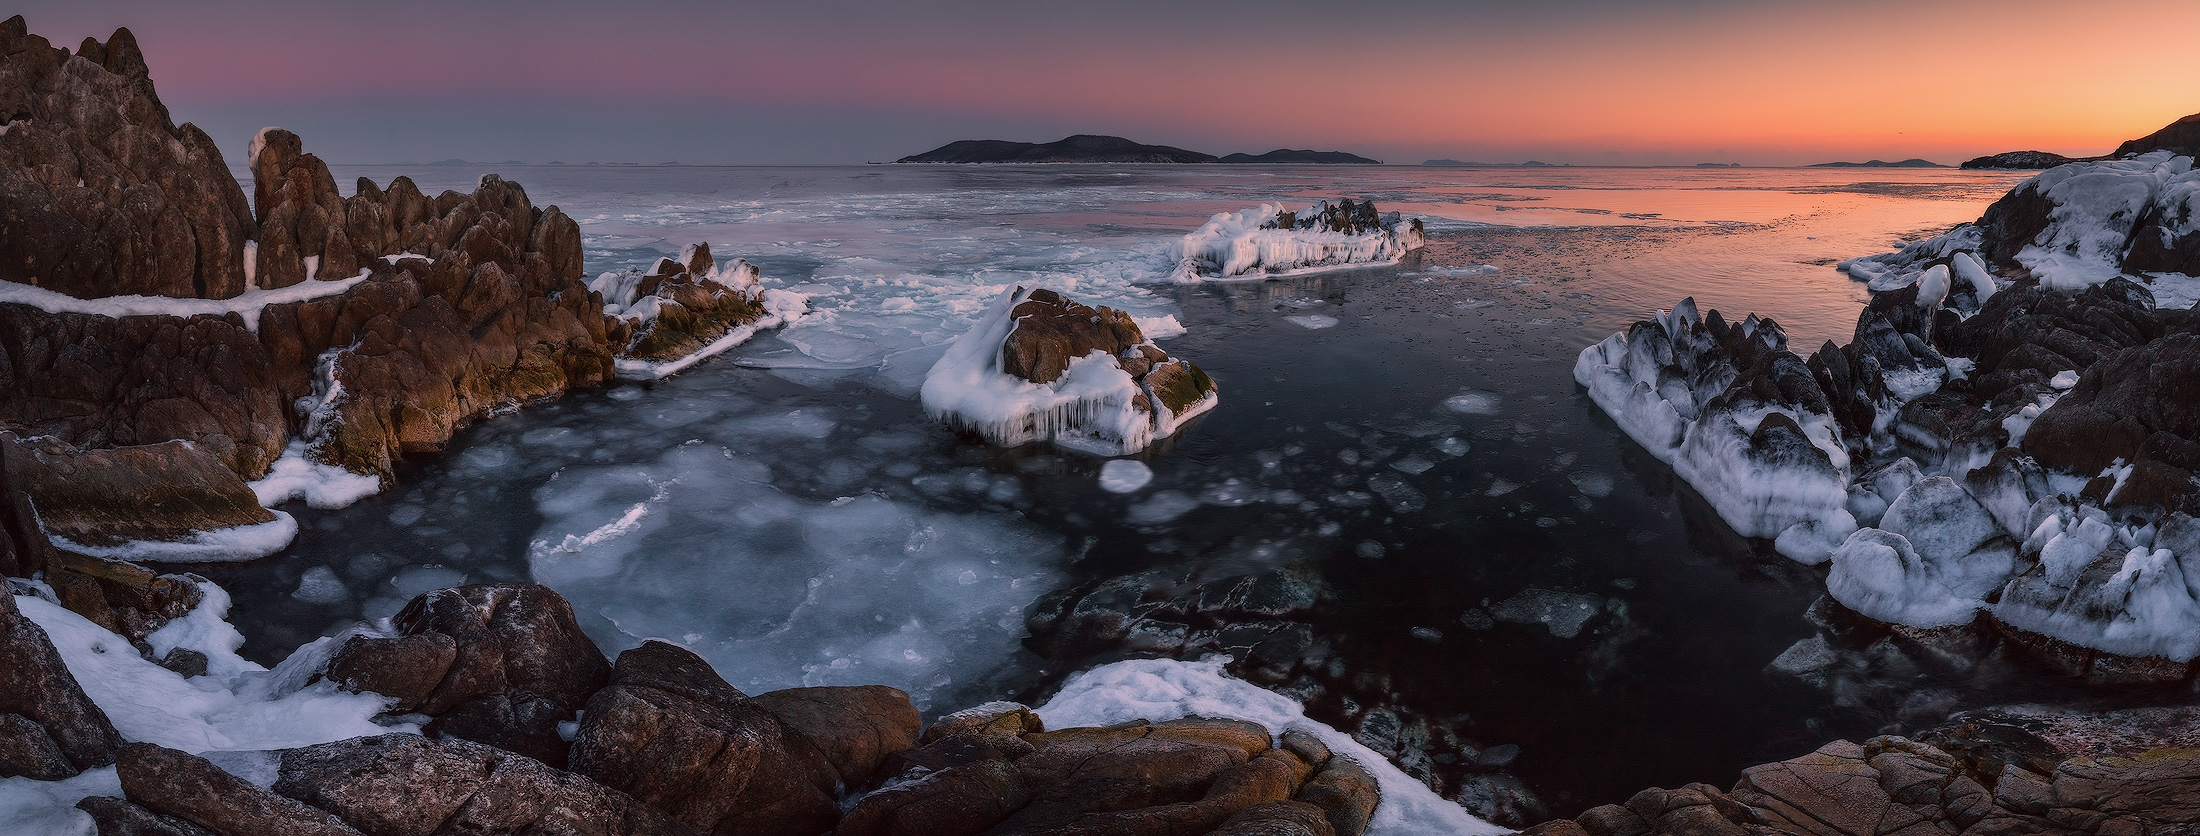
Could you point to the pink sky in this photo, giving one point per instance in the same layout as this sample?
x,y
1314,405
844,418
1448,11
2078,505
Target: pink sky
x,y
1581,81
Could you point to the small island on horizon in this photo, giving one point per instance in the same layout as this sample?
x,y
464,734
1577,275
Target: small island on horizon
x,y
1913,162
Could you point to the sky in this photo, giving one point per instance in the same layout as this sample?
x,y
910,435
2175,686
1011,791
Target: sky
x,y
1587,82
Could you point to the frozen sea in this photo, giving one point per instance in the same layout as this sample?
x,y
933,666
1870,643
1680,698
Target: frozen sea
x,y
1411,435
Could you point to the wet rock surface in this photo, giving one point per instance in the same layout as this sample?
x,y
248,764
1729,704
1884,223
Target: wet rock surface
x,y
1987,772
49,729
678,306
1052,330
148,492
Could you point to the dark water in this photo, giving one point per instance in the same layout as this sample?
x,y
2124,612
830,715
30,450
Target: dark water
x,y
760,514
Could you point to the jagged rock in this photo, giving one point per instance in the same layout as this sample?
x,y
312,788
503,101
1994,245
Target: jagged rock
x,y
993,720
855,729
2118,403
678,306
407,785
518,665
672,733
100,193
187,787
48,728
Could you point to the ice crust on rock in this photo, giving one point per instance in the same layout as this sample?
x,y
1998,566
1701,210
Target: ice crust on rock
x,y
1270,240
1159,690
322,486
248,304
1094,406
244,542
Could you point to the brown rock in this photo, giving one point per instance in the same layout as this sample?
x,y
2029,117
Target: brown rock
x,y
1282,818
1346,793
991,720
407,785
1052,330
37,689
675,735
184,786
520,666
149,492
854,729
116,817
407,668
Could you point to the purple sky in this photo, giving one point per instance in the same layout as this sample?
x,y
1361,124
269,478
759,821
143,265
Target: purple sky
x,y
1582,81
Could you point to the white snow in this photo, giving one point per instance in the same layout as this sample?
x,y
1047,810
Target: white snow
x,y
2095,206
2065,379
1124,475
1089,408
259,141
1160,690
322,486
248,304
1232,245
244,542
238,706
1160,327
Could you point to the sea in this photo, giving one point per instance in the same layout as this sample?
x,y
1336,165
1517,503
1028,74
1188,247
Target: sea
x,y
1410,435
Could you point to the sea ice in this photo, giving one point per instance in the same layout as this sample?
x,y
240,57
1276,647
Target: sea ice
x,y
1473,402
1563,613
1159,690
1312,322
1124,475
782,591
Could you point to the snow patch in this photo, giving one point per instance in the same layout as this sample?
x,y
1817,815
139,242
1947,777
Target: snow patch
x,y
248,304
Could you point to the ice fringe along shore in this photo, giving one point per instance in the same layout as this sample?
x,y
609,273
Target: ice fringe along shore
x,y
1269,240
1968,510
1094,406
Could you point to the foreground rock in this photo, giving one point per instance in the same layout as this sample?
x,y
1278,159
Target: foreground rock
x,y
49,729
1985,774
1041,367
1002,775
1270,239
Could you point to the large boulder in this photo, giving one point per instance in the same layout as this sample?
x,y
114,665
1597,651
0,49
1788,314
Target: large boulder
x,y
514,666
166,491
407,785
674,734
187,787
100,193
48,728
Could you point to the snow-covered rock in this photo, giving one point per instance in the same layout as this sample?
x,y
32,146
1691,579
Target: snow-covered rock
x,y
1040,367
680,312
1268,240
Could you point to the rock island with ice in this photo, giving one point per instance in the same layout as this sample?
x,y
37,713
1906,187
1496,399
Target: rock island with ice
x,y
682,311
2011,438
1269,240
1040,367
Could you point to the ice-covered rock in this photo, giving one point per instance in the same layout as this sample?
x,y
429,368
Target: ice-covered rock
x,y
679,312
1040,367
1269,239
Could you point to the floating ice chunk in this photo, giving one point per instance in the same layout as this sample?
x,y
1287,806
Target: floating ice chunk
x,y
2064,379
1159,690
1805,658
1501,487
248,304
322,486
1397,493
1124,475
1162,507
1232,492
1473,402
1234,245
1160,327
1563,613
1452,446
238,543
320,585
1412,465
1312,322
1591,483
414,580
1467,270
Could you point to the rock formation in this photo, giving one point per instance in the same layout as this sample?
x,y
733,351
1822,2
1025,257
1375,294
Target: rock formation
x,y
48,729
100,194
1270,239
1041,367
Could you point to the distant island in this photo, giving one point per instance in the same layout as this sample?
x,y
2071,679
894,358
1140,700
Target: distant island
x,y
1738,165
2021,160
1912,162
1302,157
1093,148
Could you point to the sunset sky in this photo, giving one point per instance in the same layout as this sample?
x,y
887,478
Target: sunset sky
x,y
1633,82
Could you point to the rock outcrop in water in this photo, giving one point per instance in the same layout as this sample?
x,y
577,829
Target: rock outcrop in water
x,y
1270,239
2007,450
1041,367
1082,148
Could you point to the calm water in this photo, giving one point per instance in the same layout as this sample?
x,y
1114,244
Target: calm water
x,y
788,512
